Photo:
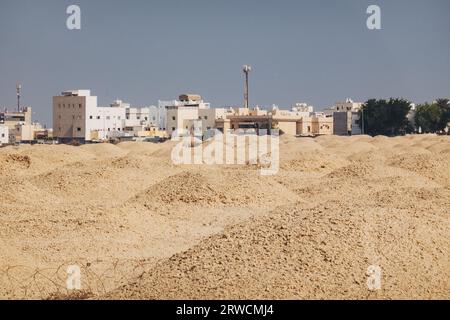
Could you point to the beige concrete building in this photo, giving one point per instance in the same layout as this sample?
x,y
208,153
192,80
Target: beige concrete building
x,y
322,125
76,116
300,120
305,126
151,132
25,132
346,117
12,118
344,106
19,124
190,112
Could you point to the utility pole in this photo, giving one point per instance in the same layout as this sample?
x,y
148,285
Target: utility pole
x,y
18,88
246,70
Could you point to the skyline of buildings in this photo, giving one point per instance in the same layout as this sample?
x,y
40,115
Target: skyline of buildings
x,y
77,116
163,103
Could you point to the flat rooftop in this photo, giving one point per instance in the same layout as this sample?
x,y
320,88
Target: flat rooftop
x,y
76,93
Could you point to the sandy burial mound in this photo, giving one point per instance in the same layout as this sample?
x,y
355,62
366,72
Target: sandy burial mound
x,y
221,188
140,227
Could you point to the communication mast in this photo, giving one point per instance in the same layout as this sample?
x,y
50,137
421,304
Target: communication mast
x,y
18,88
246,70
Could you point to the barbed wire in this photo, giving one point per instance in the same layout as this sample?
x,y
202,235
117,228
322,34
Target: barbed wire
x,y
97,279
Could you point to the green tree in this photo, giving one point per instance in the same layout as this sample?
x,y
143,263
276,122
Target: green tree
x,y
444,106
428,117
385,117
433,117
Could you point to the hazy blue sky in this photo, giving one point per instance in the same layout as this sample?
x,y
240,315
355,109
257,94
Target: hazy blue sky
x,y
301,51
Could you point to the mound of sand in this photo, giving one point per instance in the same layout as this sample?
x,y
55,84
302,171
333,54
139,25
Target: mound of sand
x,y
238,188
305,254
187,188
141,227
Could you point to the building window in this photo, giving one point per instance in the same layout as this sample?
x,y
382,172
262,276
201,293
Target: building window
x,y
109,129
118,117
3,135
146,118
59,105
79,129
173,118
79,106
108,117
173,128
90,117
139,118
206,117
98,117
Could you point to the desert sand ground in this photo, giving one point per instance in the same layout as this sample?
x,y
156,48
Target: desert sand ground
x,y
140,227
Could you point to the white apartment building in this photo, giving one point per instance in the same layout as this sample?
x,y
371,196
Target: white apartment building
x,y
4,134
143,116
140,119
76,116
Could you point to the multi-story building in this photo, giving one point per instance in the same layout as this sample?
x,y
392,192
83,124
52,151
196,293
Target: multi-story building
x,y
344,106
140,116
190,112
346,117
19,124
12,118
346,123
76,116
